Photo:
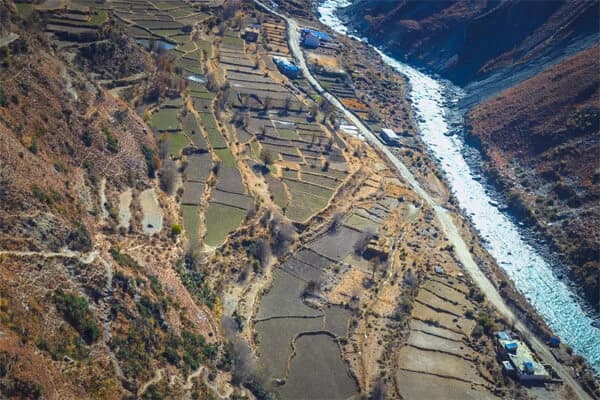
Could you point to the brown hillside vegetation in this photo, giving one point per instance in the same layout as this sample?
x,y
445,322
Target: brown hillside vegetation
x,y
542,138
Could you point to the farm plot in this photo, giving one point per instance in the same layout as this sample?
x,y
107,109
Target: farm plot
x,y
277,189
226,157
240,201
220,221
321,180
437,363
341,175
192,193
192,129
177,141
230,180
317,371
427,341
284,298
274,342
228,205
357,222
297,186
198,167
301,270
166,119
310,257
336,320
232,40
336,245
416,386
152,220
303,205
217,141
191,222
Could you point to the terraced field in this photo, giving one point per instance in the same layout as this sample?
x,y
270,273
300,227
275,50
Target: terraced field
x,y
298,342
438,345
276,123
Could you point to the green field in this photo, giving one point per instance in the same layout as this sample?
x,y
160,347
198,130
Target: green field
x,y
299,186
233,40
172,103
24,9
227,158
177,141
186,47
361,223
220,221
304,205
206,45
191,222
165,119
288,134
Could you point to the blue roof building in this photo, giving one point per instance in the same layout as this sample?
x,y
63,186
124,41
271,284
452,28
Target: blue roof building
x,y
287,67
321,35
311,41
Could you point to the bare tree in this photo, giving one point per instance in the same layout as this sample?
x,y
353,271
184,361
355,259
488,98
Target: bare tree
x,y
168,177
336,222
312,289
211,82
266,157
283,233
363,241
260,250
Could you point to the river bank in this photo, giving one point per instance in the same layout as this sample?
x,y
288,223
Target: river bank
x,y
514,255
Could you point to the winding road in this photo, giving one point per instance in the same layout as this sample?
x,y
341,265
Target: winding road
x,y
442,214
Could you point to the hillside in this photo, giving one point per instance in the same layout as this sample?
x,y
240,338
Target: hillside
x,y
453,37
180,219
542,141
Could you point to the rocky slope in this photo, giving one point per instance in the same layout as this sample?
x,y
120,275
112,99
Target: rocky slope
x,y
542,141
468,40
79,318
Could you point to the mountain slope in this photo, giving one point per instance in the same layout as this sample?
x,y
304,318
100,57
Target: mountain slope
x,y
542,139
468,40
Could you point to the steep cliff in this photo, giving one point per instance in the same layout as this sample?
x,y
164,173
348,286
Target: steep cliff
x,y
469,40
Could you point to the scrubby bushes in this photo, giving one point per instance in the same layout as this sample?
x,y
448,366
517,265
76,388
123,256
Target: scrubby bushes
x,y
77,312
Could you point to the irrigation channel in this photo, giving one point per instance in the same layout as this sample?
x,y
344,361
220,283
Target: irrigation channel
x,y
434,103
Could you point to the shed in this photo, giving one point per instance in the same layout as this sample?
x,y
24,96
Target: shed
x,y
503,335
390,137
251,34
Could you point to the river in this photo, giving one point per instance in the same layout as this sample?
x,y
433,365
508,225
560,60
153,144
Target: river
x,y
434,103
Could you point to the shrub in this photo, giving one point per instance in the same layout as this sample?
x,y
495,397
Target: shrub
x,y
150,163
123,259
76,311
112,143
79,238
176,229
86,138
3,98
